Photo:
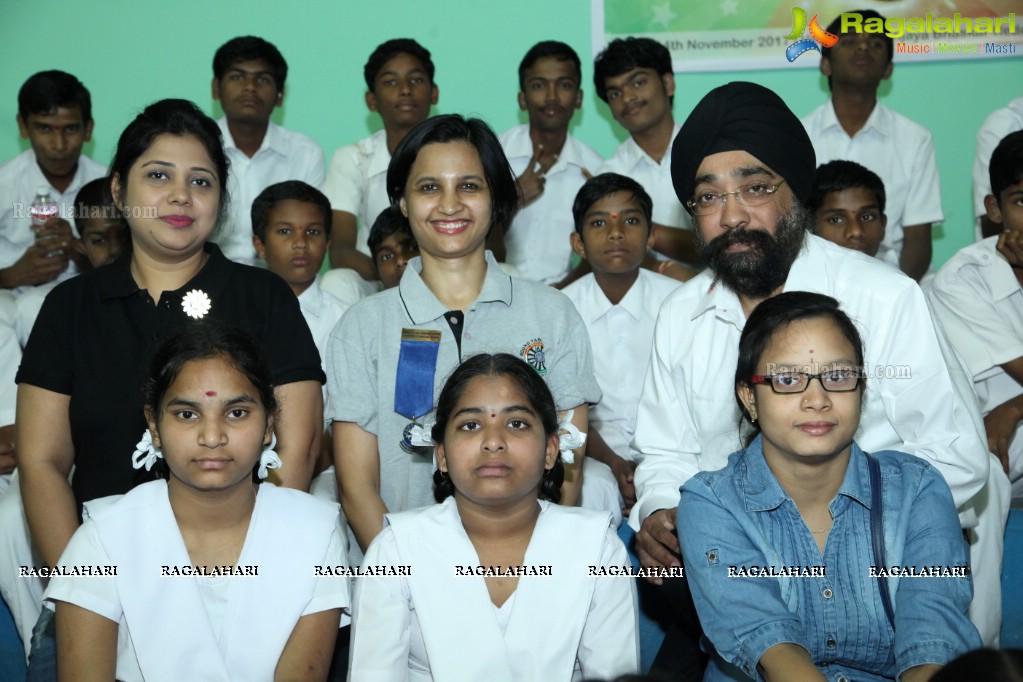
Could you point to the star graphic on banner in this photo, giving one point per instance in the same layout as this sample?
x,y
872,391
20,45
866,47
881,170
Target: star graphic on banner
x,y
663,14
729,6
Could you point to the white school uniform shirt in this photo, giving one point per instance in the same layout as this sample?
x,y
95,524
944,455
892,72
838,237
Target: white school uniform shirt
x,y
900,151
688,420
284,155
357,182
631,161
19,178
1000,123
979,303
195,627
321,311
537,241
434,624
622,336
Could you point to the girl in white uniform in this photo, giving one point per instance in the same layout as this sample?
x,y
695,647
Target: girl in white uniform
x,y
206,575
498,582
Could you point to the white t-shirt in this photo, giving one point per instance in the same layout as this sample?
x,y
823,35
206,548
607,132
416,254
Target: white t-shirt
x,y
357,182
622,337
284,155
538,241
900,151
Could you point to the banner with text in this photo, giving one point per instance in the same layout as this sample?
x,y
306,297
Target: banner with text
x,y
732,35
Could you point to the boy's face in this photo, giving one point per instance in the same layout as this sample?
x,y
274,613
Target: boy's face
x,y
57,138
296,241
1007,211
640,98
852,218
551,94
402,92
102,240
392,256
616,236
248,91
858,59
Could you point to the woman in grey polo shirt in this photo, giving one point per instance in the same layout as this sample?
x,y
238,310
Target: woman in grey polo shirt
x,y
390,354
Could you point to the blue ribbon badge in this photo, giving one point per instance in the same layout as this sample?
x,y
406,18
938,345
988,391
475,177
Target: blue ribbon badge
x,y
413,384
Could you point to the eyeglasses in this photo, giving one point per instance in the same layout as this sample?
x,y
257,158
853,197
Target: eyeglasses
x,y
753,194
833,380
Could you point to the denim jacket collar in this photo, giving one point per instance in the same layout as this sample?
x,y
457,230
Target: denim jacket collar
x,y
762,492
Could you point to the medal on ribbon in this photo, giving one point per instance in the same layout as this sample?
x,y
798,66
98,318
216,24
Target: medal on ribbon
x,y
413,384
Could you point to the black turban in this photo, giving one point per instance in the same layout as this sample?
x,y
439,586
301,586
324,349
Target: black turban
x,y
743,117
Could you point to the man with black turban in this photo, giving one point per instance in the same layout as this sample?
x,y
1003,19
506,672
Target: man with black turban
x,y
742,165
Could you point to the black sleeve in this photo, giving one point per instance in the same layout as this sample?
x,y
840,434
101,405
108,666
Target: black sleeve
x,y
288,341
47,359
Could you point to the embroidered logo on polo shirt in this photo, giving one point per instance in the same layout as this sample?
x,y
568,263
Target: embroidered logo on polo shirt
x,y
533,353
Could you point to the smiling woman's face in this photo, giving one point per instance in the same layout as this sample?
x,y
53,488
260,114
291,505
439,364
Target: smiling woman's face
x,y
447,200
171,197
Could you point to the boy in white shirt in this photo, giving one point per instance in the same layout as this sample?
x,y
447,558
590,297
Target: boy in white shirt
x,y
978,298
618,301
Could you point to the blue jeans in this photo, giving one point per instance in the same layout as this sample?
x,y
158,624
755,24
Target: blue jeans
x,y
42,660
12,653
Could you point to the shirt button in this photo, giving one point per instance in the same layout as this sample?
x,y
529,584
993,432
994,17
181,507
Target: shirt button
x,y
828,594
453,320
831,643
843,678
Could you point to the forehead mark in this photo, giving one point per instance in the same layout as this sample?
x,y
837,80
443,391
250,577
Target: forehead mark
x,y
213,394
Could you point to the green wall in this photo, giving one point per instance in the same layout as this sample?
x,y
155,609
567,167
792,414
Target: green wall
x,y
131,53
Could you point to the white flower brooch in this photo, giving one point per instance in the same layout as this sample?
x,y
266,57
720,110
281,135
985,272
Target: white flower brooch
x,y
196,304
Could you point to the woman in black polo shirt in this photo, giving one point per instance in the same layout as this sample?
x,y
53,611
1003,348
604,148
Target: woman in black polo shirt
x,y
79,400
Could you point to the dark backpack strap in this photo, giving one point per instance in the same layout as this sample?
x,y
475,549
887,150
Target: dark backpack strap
x,y
877,534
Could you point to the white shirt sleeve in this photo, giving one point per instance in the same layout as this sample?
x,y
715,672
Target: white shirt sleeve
x,y
665,442
382,618
923,204
610,641
332,591
344,182
96,593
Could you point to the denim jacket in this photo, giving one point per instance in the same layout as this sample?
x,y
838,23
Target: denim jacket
x,y
740,521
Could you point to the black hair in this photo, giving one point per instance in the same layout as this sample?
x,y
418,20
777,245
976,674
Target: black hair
x,y
171,117
836,176
94,201
538,395
389,50
205,340
390,221
990,665
456,128
48,90
606,184
250,48
625,54
1006,167
550,48
775,314
282,191
835,27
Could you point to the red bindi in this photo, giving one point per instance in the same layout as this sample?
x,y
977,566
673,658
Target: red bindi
x,y
213,394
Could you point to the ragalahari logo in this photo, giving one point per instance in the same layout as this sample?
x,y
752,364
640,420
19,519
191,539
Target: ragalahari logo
x,y
818,36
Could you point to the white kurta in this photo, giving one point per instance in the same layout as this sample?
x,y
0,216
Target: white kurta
x,y
177,627
436,624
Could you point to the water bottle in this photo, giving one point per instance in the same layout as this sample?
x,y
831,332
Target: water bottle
x,y
42,209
